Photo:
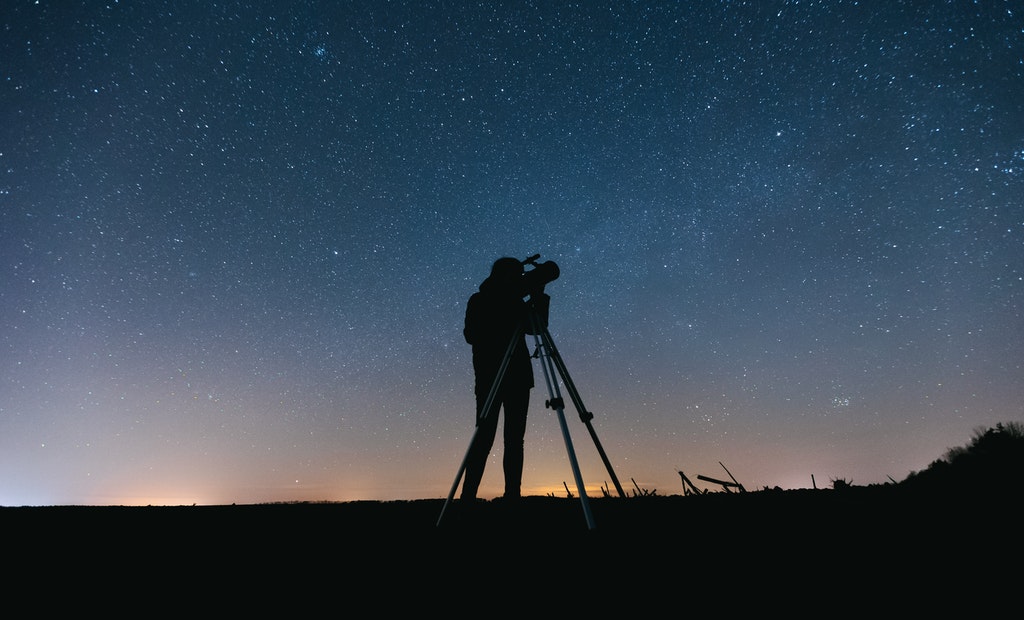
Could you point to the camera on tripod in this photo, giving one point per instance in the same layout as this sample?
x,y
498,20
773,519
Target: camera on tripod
x,y
535,279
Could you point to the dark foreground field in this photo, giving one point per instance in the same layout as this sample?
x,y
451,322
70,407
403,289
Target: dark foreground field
x,y
856,546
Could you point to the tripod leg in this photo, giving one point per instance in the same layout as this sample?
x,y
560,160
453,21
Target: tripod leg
x,y
491,395
585,415
556,404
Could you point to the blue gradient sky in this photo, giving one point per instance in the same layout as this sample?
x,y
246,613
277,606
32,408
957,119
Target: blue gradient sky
x,y
237,240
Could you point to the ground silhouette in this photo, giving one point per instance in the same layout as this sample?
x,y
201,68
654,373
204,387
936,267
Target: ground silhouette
x,y
948,534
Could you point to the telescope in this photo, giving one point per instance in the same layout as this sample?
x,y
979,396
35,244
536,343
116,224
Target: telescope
x,y
535,279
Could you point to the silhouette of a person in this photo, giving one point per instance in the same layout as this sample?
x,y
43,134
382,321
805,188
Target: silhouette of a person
x,y
494,314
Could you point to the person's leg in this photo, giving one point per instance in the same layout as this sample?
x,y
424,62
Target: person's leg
x,y
480,448
516,406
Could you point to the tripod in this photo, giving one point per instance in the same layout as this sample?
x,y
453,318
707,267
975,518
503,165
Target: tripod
x,y
535,323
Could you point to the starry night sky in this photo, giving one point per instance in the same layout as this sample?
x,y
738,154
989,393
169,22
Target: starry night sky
x,y
237,240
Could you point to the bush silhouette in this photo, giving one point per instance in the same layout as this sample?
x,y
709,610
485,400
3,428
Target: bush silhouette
x,y
992,462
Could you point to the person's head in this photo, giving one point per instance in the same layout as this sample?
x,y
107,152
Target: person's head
x,y
506,271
